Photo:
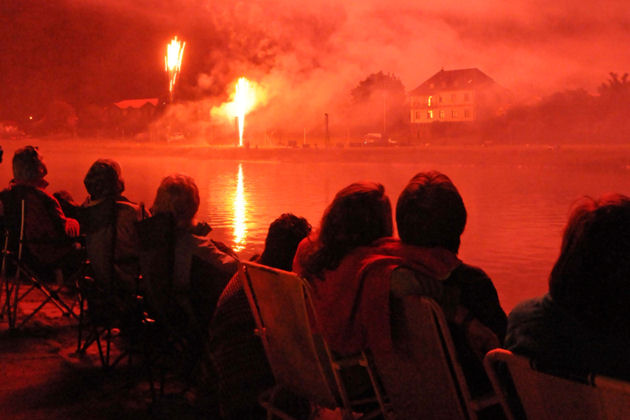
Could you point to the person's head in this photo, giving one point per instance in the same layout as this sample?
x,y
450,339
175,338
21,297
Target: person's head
x,y
28,165
103,179
591,277
178,195
283,237
358,215
430,212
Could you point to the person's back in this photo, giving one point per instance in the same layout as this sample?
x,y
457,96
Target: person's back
x,y
582,325
109,224
47,230
430,214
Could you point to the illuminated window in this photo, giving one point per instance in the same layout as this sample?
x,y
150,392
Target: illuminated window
x,y
429,115
429,99
454,114
441,114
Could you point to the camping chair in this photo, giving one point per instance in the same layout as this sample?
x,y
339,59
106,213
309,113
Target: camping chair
x,y
15,270
300,360
421,374
106,307
526,392
165,341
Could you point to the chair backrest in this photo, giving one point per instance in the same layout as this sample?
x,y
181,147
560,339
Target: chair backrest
x,y
157,258
421,374
528,392
281,307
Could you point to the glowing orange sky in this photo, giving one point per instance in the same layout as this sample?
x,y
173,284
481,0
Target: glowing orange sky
x,y
84,49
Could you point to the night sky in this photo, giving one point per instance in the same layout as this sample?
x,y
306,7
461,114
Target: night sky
x,y
308,55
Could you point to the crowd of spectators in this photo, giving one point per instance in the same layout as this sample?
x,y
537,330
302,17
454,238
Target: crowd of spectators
x,y
358,270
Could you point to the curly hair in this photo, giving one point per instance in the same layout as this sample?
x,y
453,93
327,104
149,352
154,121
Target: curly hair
x,y
430,212
591,277
177,194
359,214
103,179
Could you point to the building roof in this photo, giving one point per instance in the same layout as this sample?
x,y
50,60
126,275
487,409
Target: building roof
x,y
136,103
454,79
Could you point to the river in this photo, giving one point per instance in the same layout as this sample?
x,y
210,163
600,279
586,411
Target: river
x,y
517,198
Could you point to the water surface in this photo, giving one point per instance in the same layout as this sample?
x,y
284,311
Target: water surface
x,y
517,202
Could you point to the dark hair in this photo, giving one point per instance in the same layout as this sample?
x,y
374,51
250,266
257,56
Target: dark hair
x,y
28,165
591,277
103,179
430,212
284,235
358,215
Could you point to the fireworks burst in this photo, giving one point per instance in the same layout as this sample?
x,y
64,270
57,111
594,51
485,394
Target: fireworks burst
x,y
173,62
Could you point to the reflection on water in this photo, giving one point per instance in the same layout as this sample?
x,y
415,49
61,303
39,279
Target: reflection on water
x,y
239,218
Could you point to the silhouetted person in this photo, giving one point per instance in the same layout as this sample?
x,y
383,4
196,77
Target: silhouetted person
x,y
430,213
237,353
201,267
108,220
48,230
582,324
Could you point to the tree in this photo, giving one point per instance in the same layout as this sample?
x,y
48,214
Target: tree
x,y
615,87
379,105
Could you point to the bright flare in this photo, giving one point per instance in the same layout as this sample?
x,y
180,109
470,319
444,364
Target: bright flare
x,y
173,61
244,100
246,96
240,226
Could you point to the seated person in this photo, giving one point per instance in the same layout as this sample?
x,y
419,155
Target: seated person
x,y
109,221
430,213
354,266
242,370
201,267
48,231
582,325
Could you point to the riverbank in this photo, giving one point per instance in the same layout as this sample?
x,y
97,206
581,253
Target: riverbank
x,y
614,156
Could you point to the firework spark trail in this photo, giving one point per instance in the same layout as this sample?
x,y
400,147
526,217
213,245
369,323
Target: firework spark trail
x,y
243,101
173,62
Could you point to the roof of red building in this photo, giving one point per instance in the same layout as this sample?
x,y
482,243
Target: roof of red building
x,y
136,103
454,79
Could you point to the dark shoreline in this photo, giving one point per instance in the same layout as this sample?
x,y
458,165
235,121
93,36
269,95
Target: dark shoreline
x,y
611,156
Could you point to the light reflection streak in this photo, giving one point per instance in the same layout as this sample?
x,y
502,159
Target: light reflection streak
x,y
240,227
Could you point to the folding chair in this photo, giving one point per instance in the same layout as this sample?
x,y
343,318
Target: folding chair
x,y
526,392
164,336
15,270
105,306
421,374
300,360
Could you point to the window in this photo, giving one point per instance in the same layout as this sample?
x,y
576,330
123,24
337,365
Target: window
x,y
439,99
429,115
429,99
454,114
417,115
466,113
441,114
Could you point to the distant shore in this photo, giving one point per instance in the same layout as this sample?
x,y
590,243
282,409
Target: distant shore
x,y
613,156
